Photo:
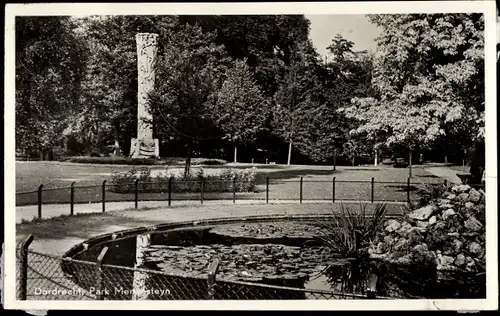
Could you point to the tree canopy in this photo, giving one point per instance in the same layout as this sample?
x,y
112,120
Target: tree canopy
x,y
429,75
248,80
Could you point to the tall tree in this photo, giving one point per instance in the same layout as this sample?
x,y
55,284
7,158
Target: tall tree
x,y
50,62
240,110
429,72
297,101
190,74
346,74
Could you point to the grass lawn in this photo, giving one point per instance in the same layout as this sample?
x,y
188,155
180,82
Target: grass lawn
x,y
350,183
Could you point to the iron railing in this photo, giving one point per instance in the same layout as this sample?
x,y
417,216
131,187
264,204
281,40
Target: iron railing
x,y
71,200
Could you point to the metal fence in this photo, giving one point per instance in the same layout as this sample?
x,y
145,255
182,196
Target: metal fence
x,y
47,277
80,199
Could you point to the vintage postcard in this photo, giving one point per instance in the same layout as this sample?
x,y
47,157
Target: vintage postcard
x,y
251,156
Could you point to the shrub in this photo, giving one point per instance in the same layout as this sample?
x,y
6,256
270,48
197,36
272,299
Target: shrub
x,y
115,160
227,181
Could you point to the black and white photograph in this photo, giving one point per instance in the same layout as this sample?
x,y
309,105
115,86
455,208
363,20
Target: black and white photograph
x,y
336,152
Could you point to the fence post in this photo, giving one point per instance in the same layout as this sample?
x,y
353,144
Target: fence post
x,y
333,190
136,190
40,201
408,192
72,199
104,196
300,191
234,190
373,189
170,191
202,189
267,190
23,268
98,273
212,272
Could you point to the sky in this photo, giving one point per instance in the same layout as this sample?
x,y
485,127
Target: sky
x,y
356,28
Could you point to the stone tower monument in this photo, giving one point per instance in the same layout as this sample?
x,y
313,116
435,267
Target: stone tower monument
x,y
144,145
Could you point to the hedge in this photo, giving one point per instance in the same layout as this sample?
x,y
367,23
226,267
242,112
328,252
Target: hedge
x,y
144,161
227,181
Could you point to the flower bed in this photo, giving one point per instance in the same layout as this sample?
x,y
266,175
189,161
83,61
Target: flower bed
x,y
227,181
437,248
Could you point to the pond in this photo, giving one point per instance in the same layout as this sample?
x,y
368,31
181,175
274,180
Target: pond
x,y
273,253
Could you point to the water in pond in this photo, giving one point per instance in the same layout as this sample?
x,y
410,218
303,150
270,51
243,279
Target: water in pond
x,y
285,254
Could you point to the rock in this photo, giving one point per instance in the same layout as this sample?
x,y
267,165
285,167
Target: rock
x,y
420,248
461,188
449,212
444,262
460,260
463,197
380,248
374,250
440,225
476,249
415,236
443,201
470,264
404,260
473,224
445,206
432,220
392,225
422,224
382,256
401,245
451,196
388,240
474,195
422,213
404,229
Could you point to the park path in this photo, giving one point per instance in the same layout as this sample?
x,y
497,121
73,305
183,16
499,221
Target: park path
x,y
30,212
58,236
445,173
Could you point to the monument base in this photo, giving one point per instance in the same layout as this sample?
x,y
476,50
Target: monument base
x,y
144,148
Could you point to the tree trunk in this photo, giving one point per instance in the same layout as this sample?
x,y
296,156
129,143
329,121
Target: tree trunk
x,y
117,148
187,167
235,153
117,142
376,158
477,163
353,160
409,160
289,152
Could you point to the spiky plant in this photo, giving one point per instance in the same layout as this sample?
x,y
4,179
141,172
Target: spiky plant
x,y
348,234
351,229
